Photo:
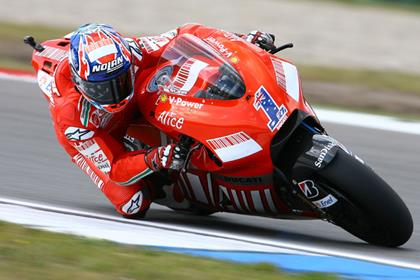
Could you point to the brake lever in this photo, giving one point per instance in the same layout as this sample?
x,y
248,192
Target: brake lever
x,y
286,46
29,40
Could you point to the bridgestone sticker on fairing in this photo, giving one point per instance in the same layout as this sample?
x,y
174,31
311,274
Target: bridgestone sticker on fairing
x,y
308,188
234,146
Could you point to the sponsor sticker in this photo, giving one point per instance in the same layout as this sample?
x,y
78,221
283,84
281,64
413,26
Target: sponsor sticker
x,y
188,75
149,44
279,72
81,162
323,154
287,77
246,181
100,118
78,134
327,201
101,161
134,205
178,101
231,36
234,146
171,119
164,72
163,98
91,150
170,34
45,84
308,188
234,60
276,114
52,53
220,47
109,66
154,43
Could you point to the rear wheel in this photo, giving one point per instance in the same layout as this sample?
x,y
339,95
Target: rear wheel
x,y
367,206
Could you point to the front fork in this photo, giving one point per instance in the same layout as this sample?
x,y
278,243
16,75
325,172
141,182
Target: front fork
x,y
308,150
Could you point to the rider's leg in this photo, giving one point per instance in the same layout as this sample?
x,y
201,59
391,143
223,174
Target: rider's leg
x,y
130,201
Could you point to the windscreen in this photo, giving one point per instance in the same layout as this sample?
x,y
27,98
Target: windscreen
x,y
191,67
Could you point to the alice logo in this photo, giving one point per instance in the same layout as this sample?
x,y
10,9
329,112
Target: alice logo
x,y
171,119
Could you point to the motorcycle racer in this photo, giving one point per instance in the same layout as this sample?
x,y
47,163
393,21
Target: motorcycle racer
x,y
95,102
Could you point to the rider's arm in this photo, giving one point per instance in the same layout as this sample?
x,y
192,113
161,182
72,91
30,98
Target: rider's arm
x,y
107,157
104,154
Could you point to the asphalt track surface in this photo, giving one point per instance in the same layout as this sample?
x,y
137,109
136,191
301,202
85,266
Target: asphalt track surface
x,y
34,168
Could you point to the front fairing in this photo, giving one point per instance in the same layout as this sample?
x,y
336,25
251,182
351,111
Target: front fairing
x,y
225,94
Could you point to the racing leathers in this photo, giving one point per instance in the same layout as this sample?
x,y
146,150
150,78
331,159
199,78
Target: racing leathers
x,y
95,139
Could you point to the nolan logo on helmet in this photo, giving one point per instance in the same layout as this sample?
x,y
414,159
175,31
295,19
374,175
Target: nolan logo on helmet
x,y
109,66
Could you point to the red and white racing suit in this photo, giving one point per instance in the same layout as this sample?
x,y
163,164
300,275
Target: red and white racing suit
x,y
94,138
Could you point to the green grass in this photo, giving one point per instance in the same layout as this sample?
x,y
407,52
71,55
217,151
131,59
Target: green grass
x,y
21,64
16,32
34,254
385,80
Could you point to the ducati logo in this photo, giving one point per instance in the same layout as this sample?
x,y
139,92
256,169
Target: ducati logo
x,y
308,188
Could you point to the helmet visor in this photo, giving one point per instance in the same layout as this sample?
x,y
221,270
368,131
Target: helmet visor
x,y
108,92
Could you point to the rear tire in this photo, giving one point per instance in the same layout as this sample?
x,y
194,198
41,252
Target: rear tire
x,y
368,207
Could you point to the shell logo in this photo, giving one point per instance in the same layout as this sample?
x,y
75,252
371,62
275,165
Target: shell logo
x,y
234,60
163,98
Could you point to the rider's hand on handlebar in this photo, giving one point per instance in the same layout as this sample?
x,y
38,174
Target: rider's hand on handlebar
x,y
263,40
171,156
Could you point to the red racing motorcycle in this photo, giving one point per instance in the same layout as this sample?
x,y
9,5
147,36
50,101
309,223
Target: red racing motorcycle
x,y
255,145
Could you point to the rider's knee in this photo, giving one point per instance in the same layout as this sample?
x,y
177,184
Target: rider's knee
x,y
136,206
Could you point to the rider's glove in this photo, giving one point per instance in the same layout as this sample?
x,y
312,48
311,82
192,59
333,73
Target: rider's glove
x,y
263,40
171,156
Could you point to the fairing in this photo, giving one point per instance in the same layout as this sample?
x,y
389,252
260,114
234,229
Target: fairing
x,y
225,95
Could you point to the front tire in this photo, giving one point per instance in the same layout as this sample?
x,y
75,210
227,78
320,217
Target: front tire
x,y
368,207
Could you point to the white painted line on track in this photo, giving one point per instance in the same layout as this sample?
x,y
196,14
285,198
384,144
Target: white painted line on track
x,y
368,121
11,210
20,78
325,115
135,232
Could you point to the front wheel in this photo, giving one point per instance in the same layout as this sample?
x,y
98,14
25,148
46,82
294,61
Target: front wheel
x,y
367,206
